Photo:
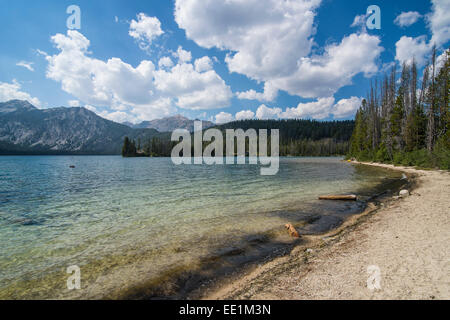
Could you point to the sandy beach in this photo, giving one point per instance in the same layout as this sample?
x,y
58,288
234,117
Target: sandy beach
x,y
406,239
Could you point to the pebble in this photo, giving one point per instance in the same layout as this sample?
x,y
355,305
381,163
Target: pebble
x,y
403,193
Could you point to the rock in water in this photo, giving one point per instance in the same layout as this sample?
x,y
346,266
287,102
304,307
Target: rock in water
x,y
351,197
291,230
403,193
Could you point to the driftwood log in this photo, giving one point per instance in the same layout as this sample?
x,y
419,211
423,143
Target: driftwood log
x,y
349,197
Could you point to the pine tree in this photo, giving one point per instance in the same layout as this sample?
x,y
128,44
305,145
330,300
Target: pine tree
x,y
407,126
432,107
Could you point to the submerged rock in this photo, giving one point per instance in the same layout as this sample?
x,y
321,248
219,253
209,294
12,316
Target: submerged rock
x,y
292,232
25,222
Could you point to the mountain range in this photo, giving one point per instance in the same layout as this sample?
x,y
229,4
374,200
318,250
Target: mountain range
x,y
24,129
169,124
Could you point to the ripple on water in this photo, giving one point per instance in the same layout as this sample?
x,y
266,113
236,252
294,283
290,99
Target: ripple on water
x,y
131,224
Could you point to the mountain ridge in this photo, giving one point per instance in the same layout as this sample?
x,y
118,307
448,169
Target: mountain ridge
x,y
169,124
25,129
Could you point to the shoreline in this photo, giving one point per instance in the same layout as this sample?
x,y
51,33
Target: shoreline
x,y
402,236
182,281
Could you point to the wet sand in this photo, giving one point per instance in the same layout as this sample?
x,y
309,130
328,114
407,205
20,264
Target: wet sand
x,y
406,238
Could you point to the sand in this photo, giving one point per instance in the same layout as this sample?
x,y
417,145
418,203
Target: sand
x,y
407,240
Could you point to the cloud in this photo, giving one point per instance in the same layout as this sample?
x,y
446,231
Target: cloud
x,y
319,109
269,93
182,55
143,91
263,112
271,41
117,116
224,117
244,115
266,37
11,91
193,89
360,22
97,82
346,108
406,19
324,75
25,64
145,30
165,62
74,103
408,48
203,64
324,108
439,22
41,53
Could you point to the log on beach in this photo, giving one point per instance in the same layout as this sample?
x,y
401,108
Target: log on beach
x,y
349,197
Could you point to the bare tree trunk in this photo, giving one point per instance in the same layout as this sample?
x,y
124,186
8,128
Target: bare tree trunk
x,y
431,124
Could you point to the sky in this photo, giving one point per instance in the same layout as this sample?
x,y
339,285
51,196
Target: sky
x,y
131,61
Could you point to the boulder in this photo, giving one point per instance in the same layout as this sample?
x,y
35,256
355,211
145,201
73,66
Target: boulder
x,y
403,193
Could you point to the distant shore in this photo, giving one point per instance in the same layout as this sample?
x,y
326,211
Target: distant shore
x,y
406,238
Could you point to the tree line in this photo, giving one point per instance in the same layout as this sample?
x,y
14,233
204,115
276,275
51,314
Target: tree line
x,y
406,121
297,138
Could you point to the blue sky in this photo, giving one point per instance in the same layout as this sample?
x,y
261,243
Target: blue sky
x,y
140,60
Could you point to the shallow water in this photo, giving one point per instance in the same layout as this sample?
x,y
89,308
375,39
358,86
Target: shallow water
x,y
132,224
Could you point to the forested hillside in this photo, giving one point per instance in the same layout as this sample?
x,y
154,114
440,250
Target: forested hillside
x,y
297,138
406,121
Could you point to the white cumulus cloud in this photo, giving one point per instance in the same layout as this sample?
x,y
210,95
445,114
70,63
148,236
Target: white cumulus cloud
x,y
408,48
224,117
143,91
244,115
323,75
145,29
439,22
346,108
165,62
193,89
270,41
182,55
319,109
12,91
269,93
264,112
406,19
203,64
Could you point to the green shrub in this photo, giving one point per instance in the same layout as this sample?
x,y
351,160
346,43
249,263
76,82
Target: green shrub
x,y
382,155
398,158
442,155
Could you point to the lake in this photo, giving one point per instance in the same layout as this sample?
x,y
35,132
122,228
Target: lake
x,y
144,227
